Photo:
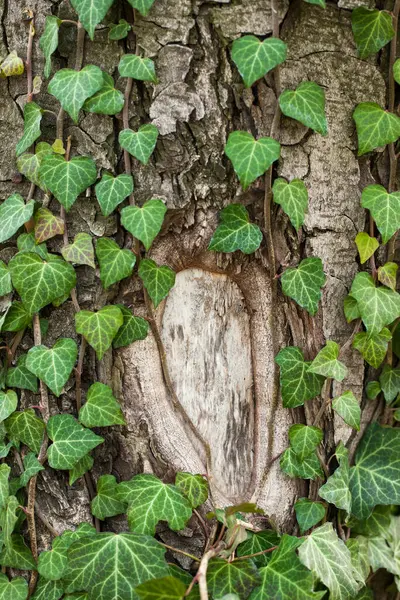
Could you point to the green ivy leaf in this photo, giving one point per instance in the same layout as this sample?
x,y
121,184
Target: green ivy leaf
x,y
107,101
5,279
132,329
13,214
375,127
26,427
31,468
387,275
136,67
106,503
144,223
308,513
16,555
81,251
390,382
99,328
115,264
70,440
91,13
304,439
67,179
235,231
308,468
193,487
150,501
359,558
8,404
48,42
143,6
141,143
320,3
327,362
48,590
101,408
239,577
26,243
32,118
254,58
251,158
53,365
348,408
307,105
366,246
47,226
4,484
304,283
72,88
378,306
8,519
259,542
336,490
373,347
17,318
373,390
157,280
16,589
166,588
111,191
293,197
297,384
80,468
29,164
384,207
372,30
119,31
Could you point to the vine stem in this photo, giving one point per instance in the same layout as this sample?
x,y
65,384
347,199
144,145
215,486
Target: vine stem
x,y
255,554
180,551
201,575
326,401
29,74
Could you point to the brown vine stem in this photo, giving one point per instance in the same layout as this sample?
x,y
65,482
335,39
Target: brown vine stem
x,y
326,401
180,551
201,575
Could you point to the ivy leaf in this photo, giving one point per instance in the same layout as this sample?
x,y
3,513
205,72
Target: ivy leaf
x,y
111,191
29,164
47,226
308,513
304,283
307,105
8,519
372,30
99,328
235,231
26,243
91,13
150,501
390,382
48,590
70,440
297,384
254,58
366,246
13,214
107,101
375,127
8,404
101,408
144,223
387,275
143,6
48,42
115,264
336,490
378,306
327,362
4,484
26,427
31,468
17,555
304,439
320,3
348,408
17,318
251,158
53,365
81,251
136,67
293,197
106,503
53,563
308,468
72,88
12,65
258,542
193,487
67,179
329,558
373,347
16,589
119,31
359,558
32,119
80,468
132,329
5,279
166,588
373,390
112,565
141,143
157,280
239,577
384,208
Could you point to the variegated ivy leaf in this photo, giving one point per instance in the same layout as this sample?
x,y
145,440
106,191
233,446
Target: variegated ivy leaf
x,y
91,13
26,243
327,362
378,306
106,503
373,390
17,555
99,328
32,119
31,468
140,144
307,105
150,501
373,347
258,542
80,252
293,197
372,30
26,427
40,282
297,384
71,441
366,246
72,88
251,158
143,6
17,317
67,179
165,587
5,279
132,329
12,65
107,101
304,439
254,58
53,365
48,590
239,577
375,127
384,207
348,408
8,404
387,275
304,283
20,377
157,280
308,513
308,468
193,487
13,214
47,225
111,191
389,380
16,589
83,465
115,264
119,31
29,164
101,408
48,42
235,232
144,223
136,67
